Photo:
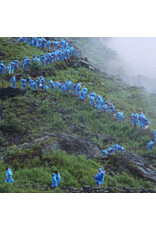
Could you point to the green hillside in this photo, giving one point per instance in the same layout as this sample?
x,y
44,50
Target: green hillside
x,y
28,117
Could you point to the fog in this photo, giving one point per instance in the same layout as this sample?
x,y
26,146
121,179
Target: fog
x,y
140,54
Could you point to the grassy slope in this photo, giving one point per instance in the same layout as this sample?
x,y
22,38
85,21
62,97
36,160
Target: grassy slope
x,y
37,112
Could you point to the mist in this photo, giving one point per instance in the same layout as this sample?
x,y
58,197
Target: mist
x,y
140,55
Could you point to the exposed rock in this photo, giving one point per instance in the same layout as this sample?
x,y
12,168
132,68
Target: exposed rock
x,y
78,145
10,92
102,83
135,164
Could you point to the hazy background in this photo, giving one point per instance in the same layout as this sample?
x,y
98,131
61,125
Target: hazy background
x,y
140,55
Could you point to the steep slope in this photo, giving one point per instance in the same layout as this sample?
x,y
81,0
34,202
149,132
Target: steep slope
x,y
37,126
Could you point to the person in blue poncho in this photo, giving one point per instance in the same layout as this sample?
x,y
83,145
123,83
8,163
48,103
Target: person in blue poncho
x,y
3,68
105,152
16,64
69,84
11,67
51,84
63,87
120,116
111,109
83,93
119,147
154,135
150,145
104,107
142,118
56,179
135,119
92,97
99,102
99,177
13,82
33,59
9,174
23,83
29,81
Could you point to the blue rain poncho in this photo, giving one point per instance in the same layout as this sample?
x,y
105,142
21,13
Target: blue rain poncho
x,y
134,119
74,89
69,85
105,152
37,83
38,59
104,107
58,84
33,84
48,44
9,178
99,102
111,109
3,68
26,63
43,60
63,87
120,116
154,135
16,64
11,67
56,178
150,145
13,82
23,83
111,149
119,147
29,81
142,119
83,94
99,177
51,84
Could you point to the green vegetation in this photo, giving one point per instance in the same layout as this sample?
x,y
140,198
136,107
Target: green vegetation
x,y
27,117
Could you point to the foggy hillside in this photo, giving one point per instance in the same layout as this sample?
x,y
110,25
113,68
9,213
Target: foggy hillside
x,y
132,59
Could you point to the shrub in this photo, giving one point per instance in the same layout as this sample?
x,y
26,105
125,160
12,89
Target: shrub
x,y
11,124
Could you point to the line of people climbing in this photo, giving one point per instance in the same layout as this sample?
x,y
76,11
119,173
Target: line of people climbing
x,y
82,93
60,54
139,120
43,43
56,177
113,149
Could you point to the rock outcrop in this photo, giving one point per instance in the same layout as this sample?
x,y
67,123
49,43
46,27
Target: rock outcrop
x,y
134,164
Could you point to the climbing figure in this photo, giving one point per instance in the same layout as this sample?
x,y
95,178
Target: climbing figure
x,y
99,177
3,68
92,97
155,135
9,174
11,67
69,84
135,119
99,102
51,84
56,178
83,93
111,109
120,116
23,83
13,82
150,145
